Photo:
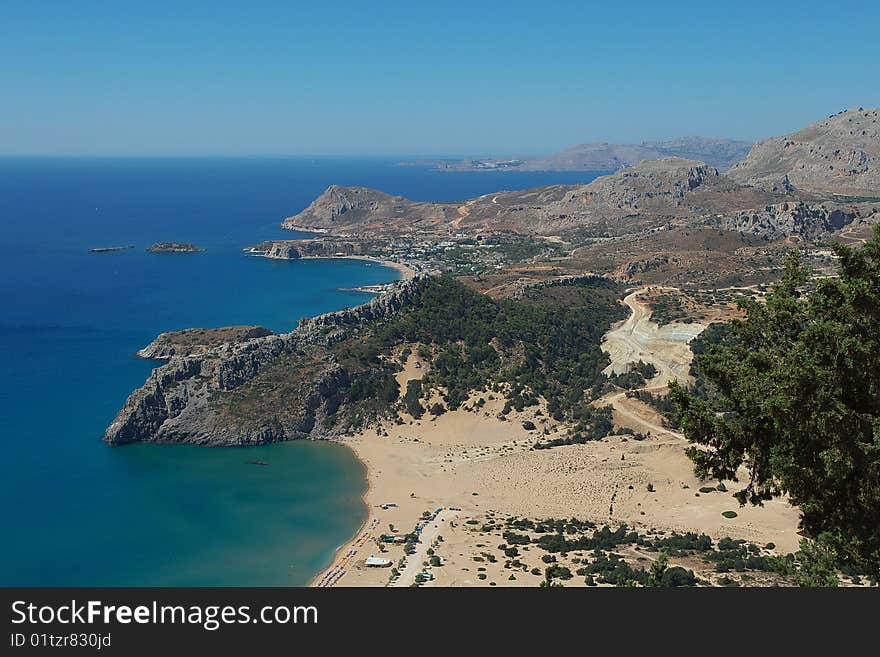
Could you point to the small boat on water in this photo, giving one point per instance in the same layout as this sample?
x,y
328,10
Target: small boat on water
x,y
256,463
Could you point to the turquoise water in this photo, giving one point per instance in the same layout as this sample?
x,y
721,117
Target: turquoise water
x,y
76,512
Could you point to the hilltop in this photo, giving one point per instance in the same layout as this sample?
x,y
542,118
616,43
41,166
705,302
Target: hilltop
x,y
838,155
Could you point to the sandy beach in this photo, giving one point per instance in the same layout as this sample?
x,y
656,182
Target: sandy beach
x,y
472,466
406,272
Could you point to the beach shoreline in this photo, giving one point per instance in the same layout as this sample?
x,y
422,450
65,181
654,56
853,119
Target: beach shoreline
x,y
467,466
336,559
405,271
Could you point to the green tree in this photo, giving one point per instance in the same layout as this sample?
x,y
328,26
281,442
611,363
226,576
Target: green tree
x,y
411,398
818,564
798,402
658,568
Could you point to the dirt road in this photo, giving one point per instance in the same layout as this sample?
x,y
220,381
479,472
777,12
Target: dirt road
x,y
665,347
638,338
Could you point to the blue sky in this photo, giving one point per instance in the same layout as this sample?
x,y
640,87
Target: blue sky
x,y
388,77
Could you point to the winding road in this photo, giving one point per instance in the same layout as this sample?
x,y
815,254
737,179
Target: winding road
x,y
665,347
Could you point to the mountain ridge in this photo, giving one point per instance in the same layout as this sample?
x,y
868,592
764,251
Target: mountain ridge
x,y
718,152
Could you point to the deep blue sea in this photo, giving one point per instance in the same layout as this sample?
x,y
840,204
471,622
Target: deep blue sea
x,y
77,512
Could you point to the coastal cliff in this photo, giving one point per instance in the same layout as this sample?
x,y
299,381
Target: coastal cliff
x,y
190,342
260,390
337,373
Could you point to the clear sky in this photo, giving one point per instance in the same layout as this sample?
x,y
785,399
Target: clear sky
x,y
387,77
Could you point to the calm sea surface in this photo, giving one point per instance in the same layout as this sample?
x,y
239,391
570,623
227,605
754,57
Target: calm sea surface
x,y
76,512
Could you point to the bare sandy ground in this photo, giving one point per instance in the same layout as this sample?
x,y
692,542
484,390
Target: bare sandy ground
x,y
638,338
465,460
470,465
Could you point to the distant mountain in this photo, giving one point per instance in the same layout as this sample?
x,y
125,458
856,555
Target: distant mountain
x,y
838,155
786,186
602,156
719,153
645,194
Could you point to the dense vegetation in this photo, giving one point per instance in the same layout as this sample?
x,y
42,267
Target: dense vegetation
x,y
637,375
592,424
798,390
545,344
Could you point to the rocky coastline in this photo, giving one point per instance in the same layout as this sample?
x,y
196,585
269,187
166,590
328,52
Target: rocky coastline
x,y
194,341
190,398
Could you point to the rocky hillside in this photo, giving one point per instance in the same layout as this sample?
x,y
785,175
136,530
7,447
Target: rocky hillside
x,y
783,220
631,199
356,210
336,373
260,390
838,155
765,195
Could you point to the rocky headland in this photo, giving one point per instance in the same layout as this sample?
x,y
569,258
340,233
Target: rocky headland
x,y
311,248
194,341
253,391
649,195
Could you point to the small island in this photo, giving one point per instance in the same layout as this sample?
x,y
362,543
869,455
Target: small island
x,y
174,247
108,249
